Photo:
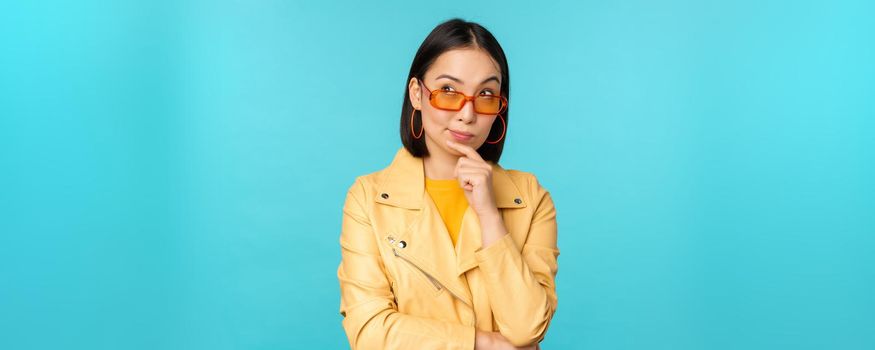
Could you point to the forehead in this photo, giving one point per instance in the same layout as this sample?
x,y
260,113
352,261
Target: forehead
x,y
470,65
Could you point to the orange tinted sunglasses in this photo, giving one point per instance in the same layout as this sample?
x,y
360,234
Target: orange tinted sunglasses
x,y
454,101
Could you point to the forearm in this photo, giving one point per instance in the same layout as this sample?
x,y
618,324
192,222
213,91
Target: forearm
x,y
522,302
391,329
492,228
495,341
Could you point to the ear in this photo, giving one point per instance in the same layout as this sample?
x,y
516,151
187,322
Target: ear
x,y
414,89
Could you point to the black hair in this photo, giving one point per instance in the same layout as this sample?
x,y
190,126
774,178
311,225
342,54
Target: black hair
x,y
454,34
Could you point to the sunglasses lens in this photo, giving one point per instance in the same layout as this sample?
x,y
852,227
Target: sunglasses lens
x,y
448,100
454,101
488,104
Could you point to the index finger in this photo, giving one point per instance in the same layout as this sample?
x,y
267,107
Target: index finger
x,y
465,149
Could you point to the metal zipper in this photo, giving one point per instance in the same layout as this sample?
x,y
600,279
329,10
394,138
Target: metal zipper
x,y
433,280
437,285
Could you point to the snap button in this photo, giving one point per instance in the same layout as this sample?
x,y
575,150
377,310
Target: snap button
x,y
517,200
385,195
402,244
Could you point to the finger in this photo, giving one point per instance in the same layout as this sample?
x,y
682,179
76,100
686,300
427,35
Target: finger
x,y
478,172
468,179
465,184
474,177
468,162
465,149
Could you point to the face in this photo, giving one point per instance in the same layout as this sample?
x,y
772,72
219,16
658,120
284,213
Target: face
x,y
470,71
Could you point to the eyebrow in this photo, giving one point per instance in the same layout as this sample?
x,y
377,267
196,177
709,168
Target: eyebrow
x,y
447,76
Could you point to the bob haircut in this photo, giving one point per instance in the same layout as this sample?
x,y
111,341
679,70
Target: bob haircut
x,y
454,34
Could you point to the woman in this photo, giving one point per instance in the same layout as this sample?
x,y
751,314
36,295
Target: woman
x,y
445,249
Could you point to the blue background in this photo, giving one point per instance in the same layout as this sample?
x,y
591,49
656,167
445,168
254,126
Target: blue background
x,y
172,172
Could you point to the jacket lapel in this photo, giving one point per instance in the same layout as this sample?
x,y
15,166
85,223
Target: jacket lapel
x,y
427,242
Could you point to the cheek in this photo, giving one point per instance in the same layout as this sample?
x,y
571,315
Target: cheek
x,y
485,124
436,120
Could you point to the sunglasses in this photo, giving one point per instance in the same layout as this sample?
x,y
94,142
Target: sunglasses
x,y
454,101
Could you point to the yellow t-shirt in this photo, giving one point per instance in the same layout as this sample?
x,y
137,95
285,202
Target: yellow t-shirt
x,y
450,200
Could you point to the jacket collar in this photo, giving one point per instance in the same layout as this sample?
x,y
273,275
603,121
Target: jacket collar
x,y
404,184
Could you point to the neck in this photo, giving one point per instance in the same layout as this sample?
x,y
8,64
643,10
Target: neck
x,y
439,165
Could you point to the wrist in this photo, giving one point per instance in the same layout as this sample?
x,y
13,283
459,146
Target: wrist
x,y
492,229
492,224
483,340
491,216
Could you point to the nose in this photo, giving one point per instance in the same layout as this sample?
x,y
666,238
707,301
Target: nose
x,y
466,114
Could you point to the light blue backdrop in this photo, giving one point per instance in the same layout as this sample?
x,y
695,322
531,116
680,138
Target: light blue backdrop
x,y
172,172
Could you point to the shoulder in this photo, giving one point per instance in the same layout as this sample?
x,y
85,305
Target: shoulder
x,y
526,181
531,188
365,185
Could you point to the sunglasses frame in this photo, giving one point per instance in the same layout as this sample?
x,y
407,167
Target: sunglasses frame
x,y
433,93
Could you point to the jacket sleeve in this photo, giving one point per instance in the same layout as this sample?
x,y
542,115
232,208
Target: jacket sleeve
x,y
521,284
370,316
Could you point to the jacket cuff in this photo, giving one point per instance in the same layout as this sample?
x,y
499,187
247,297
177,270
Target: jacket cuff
x,y
503,245
468,335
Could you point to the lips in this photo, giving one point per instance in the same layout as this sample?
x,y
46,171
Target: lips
x,y
461,136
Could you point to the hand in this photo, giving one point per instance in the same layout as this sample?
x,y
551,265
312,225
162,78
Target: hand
x,y
475,177
496,341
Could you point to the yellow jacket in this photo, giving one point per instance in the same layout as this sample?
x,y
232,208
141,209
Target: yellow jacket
x,y
404,286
